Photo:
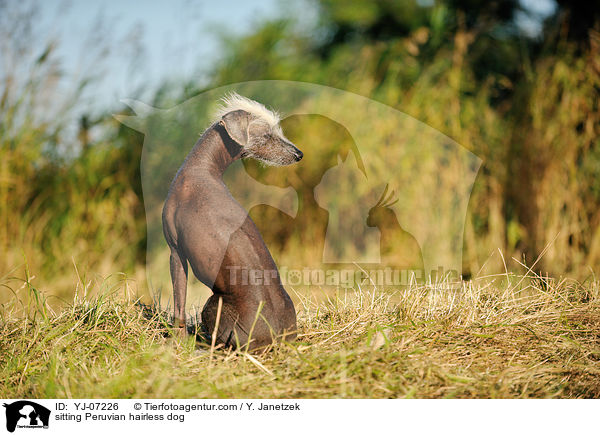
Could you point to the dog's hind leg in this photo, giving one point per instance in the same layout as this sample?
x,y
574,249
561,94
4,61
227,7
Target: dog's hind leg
x,y
179,271
231,332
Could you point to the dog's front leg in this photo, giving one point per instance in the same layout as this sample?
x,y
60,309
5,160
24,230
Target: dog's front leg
x,y
179,270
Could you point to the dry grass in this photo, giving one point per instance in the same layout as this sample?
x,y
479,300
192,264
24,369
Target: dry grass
x,y
501,337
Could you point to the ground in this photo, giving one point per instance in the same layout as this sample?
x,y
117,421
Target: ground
x,y
502,337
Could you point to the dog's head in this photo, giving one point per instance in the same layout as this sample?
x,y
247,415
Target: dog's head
x,y
256,129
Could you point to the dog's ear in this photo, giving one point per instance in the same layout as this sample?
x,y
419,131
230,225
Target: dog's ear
x,y
236,125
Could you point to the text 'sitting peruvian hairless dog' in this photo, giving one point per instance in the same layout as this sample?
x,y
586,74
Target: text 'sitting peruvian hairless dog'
x,y
207,228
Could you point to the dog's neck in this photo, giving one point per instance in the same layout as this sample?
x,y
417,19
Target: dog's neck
x,y
213,153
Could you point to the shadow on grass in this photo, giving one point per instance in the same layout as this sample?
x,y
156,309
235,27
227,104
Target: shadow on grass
x,y
164,321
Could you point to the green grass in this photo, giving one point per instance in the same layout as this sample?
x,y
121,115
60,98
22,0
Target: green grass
x,y
489,339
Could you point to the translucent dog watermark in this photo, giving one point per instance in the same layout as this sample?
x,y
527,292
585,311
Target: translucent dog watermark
x,y
377,190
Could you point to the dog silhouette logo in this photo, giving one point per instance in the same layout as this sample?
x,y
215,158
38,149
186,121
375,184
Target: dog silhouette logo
x,y
26,414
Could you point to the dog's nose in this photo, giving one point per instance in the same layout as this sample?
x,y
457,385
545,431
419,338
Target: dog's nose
x,y
299,154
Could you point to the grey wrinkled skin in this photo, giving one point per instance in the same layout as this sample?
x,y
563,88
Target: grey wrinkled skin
x,y
208,229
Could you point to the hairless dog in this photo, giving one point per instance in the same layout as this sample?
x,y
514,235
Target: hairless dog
x,y
207,228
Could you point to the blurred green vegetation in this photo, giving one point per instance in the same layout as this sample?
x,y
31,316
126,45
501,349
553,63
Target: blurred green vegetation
x,y
526,105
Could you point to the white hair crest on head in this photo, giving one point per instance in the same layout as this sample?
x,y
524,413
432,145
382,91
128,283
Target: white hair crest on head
x,y
234,101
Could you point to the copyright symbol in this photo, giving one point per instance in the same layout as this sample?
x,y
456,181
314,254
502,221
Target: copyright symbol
x,y
137,406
